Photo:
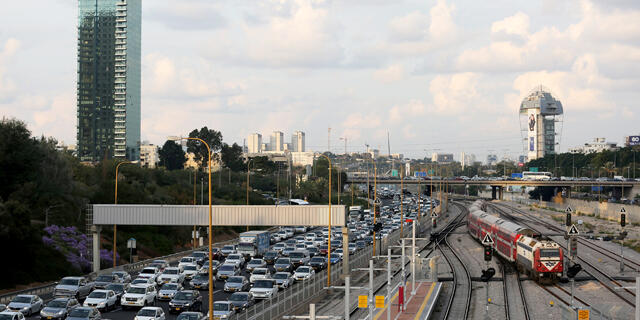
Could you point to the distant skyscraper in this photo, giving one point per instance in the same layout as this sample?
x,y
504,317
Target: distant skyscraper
x,y
254,142
297,141
539,112
276,141
108,84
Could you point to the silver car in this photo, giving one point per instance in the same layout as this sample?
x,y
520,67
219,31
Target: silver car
x,y
223,309
227,270
168,290
58,308
27,304
283,279
236,283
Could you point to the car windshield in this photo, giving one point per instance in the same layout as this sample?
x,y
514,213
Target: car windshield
x,y
171,271
57,304
115,287
139,280
235,279
320,260
147,313
104,278
283,261
259,271
303,270
297,255
6,316
191,268
227,248
20,299
98,295
220,307
270,254
188,316
233,257
182,295
186,259
148,271
79,313
202,276
263,284
280,276
227,267
136,290
255,261
239,297
169,286
69,282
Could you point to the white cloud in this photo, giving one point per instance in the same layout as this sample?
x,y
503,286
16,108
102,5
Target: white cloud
x,y
411,27
517,24
7,85
454,94
389,74
408,111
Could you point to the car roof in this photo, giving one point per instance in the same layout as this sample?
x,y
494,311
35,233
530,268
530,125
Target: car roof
x,y
26,295
152,308
141,285
74,278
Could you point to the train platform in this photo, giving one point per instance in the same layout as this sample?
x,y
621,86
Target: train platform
x,y
417,307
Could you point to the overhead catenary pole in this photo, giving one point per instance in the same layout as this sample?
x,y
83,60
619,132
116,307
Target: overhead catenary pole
x,y
115,227
413,259
329,236
388,283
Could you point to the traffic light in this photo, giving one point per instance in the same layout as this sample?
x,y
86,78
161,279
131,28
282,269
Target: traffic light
x,y
434,224
377,227
573,270
568,220
487,274
573,247
623,220
488,252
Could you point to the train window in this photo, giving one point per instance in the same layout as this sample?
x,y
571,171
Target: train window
x,y
549,253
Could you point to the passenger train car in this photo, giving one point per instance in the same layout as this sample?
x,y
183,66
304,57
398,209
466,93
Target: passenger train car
x,y
542,259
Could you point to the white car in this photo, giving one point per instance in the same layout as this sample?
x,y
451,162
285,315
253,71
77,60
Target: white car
x,y
173,275
103,300
139,296
11,315
190,270
235,259
259,274
149,273
303,273
150,313
187,260
264,289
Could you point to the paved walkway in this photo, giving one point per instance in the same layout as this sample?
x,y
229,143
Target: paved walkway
x,y
416,307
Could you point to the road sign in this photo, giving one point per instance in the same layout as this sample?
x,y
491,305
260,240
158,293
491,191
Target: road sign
x,y
377,201
487,239
573,231
363,301
568,210
583,314
379,301
434,214
622,210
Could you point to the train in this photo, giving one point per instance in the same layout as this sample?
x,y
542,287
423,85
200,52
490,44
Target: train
x,y
541,259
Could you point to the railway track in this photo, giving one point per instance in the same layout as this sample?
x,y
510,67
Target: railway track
x,y
513,306
460,272
603,278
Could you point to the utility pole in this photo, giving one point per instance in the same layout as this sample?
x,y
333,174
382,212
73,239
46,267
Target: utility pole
x,y
329,139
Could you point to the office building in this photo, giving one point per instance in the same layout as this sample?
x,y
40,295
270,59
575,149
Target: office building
x,y
539,112
108,83
254,143
598,145
276,142
297,141
492,159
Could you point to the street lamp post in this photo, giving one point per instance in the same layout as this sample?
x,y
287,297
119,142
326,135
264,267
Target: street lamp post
x,y
115,227
248,163
210,271
329,233
375,199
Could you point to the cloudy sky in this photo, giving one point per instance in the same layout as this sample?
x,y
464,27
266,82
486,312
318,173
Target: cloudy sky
x,y
437,74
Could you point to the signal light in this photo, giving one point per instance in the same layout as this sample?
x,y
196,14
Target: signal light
x,y
487,274
623,219
434,224
573,270
568,220
488,252
377,227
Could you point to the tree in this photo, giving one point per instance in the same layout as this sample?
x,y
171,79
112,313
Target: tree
x,y
212,137
19,156
172,156
231,156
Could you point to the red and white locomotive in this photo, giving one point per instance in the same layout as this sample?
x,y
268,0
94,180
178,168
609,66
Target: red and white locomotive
x,y
542,259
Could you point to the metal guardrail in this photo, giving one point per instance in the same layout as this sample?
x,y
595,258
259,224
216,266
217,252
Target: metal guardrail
x,y
46,291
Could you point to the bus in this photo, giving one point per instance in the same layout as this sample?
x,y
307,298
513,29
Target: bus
x,y
530,175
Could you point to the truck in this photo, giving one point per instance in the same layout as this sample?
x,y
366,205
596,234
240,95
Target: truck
x,y
254,243
355,213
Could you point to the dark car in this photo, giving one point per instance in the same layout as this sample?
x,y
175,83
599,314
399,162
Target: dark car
x,y
118,288
84,313
313,251
103,280
318,263
200,281
200,256
283,264
186,300
270,257
361,244
241,300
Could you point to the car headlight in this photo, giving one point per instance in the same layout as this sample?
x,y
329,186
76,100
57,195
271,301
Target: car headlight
x,y
25,308
61,312
101,304
135,318
140,298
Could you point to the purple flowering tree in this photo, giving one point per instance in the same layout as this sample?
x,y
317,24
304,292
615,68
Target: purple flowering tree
x,y
74,245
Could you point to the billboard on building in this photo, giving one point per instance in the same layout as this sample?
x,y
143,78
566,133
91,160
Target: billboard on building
x,y
420,174
634,140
